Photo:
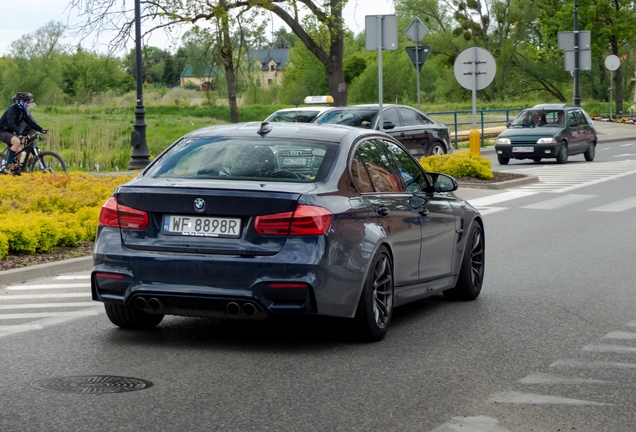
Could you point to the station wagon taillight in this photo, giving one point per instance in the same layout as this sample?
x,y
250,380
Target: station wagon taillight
x,y
305,220
119,216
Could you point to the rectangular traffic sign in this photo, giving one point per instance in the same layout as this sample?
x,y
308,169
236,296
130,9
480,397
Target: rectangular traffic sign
x,y
383,35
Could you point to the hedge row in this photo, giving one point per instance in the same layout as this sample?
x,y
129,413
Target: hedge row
x,y
39,212
459,164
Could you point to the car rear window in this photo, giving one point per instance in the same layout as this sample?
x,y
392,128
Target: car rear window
x,y
362,117
300,116
263,159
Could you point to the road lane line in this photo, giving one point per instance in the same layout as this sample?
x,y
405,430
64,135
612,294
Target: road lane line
x,y
537,399
618,206
558,202
490,210
592,364
46,286
45,305
73,277
8,330
41,296
497,198
87,312
541,378
620,335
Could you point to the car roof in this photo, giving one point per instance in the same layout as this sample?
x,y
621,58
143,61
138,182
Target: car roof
x,y
552,106
304,108
326,132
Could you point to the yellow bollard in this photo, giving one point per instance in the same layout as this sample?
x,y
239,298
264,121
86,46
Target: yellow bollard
x,y
474,139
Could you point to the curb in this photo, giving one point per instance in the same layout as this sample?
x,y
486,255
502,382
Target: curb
x,y
46,270
501,185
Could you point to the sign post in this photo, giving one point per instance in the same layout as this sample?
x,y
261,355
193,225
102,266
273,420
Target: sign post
x,y
474,69
380,33
416,32
612,63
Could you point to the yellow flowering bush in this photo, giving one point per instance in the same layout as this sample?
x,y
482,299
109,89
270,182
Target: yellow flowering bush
x,y
39,212
459,164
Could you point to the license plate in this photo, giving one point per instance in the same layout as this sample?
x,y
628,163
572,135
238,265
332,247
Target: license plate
x,y
523,149
201,226
294,161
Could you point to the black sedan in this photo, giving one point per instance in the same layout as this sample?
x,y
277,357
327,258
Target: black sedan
x,y
250,220
421,135
553,131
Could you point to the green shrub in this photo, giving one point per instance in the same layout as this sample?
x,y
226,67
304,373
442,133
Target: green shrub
x,y
459,164
4,245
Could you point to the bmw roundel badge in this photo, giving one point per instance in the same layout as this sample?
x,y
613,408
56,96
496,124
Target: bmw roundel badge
x,y
199,204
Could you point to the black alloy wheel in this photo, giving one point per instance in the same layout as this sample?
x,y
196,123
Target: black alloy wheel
x,y
503,160
590,153
375,308
471,274
438,149
562,156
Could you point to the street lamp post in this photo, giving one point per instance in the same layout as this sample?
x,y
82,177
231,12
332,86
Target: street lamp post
x,y
577,96
140,157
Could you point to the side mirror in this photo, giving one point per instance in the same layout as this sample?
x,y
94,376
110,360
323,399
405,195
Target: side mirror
x,y
444,182
388,125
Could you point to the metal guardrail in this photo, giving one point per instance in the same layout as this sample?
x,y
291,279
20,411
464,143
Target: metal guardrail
x,y
463,120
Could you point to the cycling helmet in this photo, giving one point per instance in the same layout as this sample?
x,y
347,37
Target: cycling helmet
x,y
25,97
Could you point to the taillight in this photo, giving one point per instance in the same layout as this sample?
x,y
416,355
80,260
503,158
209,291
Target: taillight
x,y
305,220
119,216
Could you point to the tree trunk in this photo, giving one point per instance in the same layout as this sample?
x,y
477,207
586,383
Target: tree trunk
x,y
618,79
228,62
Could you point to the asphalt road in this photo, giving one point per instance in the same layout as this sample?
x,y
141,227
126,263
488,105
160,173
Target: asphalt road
x,y
550,345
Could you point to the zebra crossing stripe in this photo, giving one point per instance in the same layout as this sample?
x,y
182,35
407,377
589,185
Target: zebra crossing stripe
x,y
558,202
619,206
42,296
46,286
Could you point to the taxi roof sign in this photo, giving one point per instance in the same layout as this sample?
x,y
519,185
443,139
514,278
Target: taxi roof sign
x,y
318,100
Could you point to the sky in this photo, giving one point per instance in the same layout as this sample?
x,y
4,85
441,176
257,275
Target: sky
x,y
34,14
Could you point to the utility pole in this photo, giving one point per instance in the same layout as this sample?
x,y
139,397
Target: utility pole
x,y
577,96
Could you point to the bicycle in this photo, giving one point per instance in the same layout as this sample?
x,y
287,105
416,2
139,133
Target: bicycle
x,y
35,160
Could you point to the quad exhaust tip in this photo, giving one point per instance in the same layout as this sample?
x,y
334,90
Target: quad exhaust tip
x,y
233,308
249,309
141,303
154,304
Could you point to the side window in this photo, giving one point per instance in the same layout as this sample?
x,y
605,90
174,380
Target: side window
x,y
580,118
425,120
378,166
411,173
572,119
359,174
409,117
392,116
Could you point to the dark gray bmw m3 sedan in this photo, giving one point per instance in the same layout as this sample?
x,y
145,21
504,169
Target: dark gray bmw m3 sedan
x,y
250,220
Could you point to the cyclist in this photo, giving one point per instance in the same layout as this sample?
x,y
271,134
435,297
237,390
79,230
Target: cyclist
x,y
11,124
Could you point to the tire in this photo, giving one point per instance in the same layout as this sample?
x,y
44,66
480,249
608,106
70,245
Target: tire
x,y
51,163
129,317
562,156
375,308
536,159
471,273
503,160
438,149
590,152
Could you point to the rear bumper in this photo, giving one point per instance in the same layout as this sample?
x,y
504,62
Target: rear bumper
x,y
204,285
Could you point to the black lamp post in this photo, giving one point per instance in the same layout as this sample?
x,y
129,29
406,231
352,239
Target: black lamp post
x,y
577,96
140,157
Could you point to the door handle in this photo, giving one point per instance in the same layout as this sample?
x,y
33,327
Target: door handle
x,y
383,211
423,211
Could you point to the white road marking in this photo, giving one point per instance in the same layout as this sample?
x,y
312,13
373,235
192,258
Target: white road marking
x,y
46,286
620,335
618,206
627,145
558,202
490,210
471,424
8,330
73,277
552,379
610,348
592,364
504,196
45,305
631,324
41,296
537,399
624,154
86,312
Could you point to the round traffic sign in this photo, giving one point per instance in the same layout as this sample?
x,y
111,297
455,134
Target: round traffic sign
x,y
612,62
475,61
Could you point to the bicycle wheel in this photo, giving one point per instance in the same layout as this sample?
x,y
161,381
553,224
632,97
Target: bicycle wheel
x,y
48,162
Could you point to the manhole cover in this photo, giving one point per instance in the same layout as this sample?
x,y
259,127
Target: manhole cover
x,y
93,384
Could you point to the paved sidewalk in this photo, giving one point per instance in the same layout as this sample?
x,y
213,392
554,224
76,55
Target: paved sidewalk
x,y
607,133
